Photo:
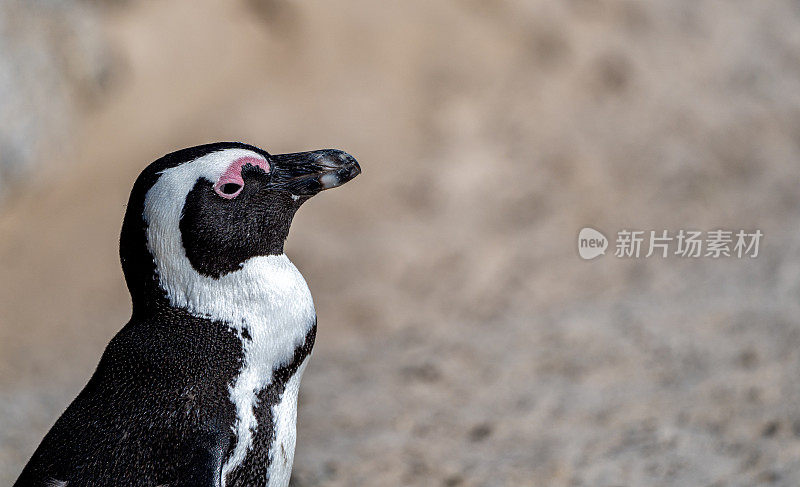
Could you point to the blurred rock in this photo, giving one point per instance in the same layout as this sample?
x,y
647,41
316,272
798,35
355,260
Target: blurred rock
x,y
54,62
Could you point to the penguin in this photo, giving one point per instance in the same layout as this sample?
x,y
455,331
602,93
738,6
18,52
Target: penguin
x,y
200,387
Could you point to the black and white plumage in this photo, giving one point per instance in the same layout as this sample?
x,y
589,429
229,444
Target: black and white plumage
x,y
200,387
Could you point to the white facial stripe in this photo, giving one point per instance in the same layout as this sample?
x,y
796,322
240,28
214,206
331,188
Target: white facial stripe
x,y
163,206
268,295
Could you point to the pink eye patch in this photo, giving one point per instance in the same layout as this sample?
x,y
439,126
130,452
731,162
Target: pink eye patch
x,y
230,184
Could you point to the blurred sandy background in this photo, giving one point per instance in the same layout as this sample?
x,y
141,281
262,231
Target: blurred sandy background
x,y
462,342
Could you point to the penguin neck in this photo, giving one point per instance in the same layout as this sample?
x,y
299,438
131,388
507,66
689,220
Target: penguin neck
x,y
267,294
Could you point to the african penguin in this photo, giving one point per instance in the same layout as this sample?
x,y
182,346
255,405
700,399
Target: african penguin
x,y
200,387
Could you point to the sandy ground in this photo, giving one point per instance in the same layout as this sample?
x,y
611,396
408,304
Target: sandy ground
x,y
462,341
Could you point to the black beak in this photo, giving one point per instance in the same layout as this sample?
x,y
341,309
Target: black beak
x,y
308,173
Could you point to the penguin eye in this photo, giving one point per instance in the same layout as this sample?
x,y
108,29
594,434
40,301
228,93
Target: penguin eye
x,y
228,189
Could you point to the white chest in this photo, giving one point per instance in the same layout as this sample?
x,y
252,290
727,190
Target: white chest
x,y
277,323
285,420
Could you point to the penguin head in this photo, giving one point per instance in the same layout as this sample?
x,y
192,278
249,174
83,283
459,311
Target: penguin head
x,y
201,213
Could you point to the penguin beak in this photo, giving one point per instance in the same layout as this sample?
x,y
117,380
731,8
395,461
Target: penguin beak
x,y
308,173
